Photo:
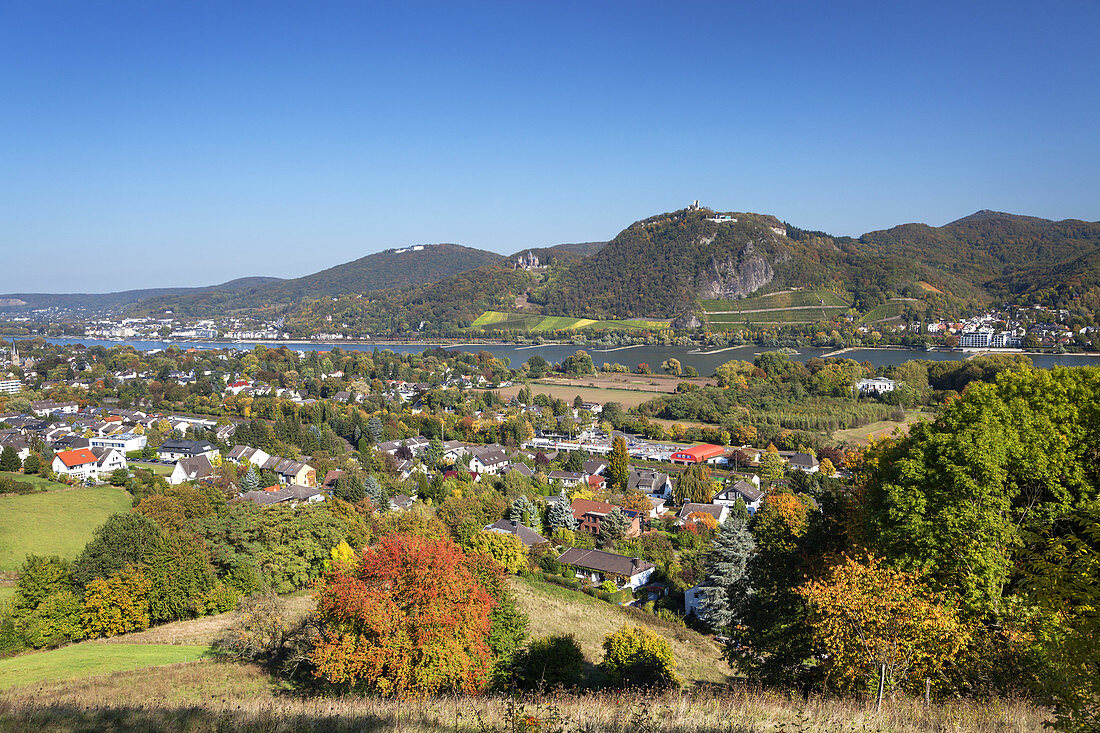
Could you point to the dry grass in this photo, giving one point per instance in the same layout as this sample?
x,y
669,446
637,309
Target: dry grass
x,y
209,696
552,609
629,390
880,429
202,630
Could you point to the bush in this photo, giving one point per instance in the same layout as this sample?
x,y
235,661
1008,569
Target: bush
x,y
636,656
549,564
552,661
11,486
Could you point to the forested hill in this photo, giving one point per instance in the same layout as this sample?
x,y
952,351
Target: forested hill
x,y
125,298
988,244
664,265
393,268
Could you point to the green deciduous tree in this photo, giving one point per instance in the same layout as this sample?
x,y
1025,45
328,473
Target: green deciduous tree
x,y
121,540
9,459
694,485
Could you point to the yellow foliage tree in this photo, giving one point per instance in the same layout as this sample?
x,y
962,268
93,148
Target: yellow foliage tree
x,y
826,467
505,549
865,615
116,605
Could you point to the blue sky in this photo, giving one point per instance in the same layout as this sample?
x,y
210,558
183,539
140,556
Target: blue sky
x,y
158,144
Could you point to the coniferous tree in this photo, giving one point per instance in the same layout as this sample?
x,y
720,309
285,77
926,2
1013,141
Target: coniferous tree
x,y
726,575
614,526
525,512
560,515
618,465
251,480
374,428
373,491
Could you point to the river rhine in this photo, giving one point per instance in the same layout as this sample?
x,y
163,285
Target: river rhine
x,y
703,360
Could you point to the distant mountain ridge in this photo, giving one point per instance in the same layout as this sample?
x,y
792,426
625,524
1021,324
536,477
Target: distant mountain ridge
x,y
124,298
664,267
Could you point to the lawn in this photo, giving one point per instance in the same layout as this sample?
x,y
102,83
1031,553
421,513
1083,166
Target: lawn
x,y
54,523
38,481
158,469
879,429
6,592
556,610
91,659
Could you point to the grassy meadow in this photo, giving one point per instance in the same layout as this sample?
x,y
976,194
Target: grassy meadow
x,y
213,695
90,660
37,481
54,523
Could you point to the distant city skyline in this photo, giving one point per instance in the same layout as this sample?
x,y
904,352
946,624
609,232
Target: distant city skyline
x,y
148,145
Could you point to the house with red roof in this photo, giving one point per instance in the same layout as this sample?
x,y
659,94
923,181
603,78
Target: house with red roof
x,y
78,463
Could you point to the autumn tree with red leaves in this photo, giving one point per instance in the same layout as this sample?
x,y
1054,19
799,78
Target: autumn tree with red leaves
x,y
409,618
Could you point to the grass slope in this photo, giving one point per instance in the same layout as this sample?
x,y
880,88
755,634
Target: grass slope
x,y
892,309
37,481
790,299
556,610
91,659
536,323
54,523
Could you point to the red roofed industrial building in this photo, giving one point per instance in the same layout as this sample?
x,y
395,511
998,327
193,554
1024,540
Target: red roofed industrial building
x,y
704,453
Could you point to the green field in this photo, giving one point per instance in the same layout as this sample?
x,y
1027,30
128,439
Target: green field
x,y
54,523
90,659
720,320
38,481
535,323
892,309
6,592
158,469
795,299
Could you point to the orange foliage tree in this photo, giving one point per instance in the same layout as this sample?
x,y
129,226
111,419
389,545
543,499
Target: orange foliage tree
x,y
865,614
409,619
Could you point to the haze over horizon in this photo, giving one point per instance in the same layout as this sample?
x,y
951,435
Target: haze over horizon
x,y
155,146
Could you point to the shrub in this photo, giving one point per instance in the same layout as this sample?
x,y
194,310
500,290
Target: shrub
x,y
636,656
552,661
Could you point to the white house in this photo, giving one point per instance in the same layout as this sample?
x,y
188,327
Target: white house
x,y
191,469
108,460
693,599
124,442
876,385
746,491
597,566
79,464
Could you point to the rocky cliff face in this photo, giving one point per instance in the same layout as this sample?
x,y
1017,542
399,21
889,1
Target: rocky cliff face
x,y
735,276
